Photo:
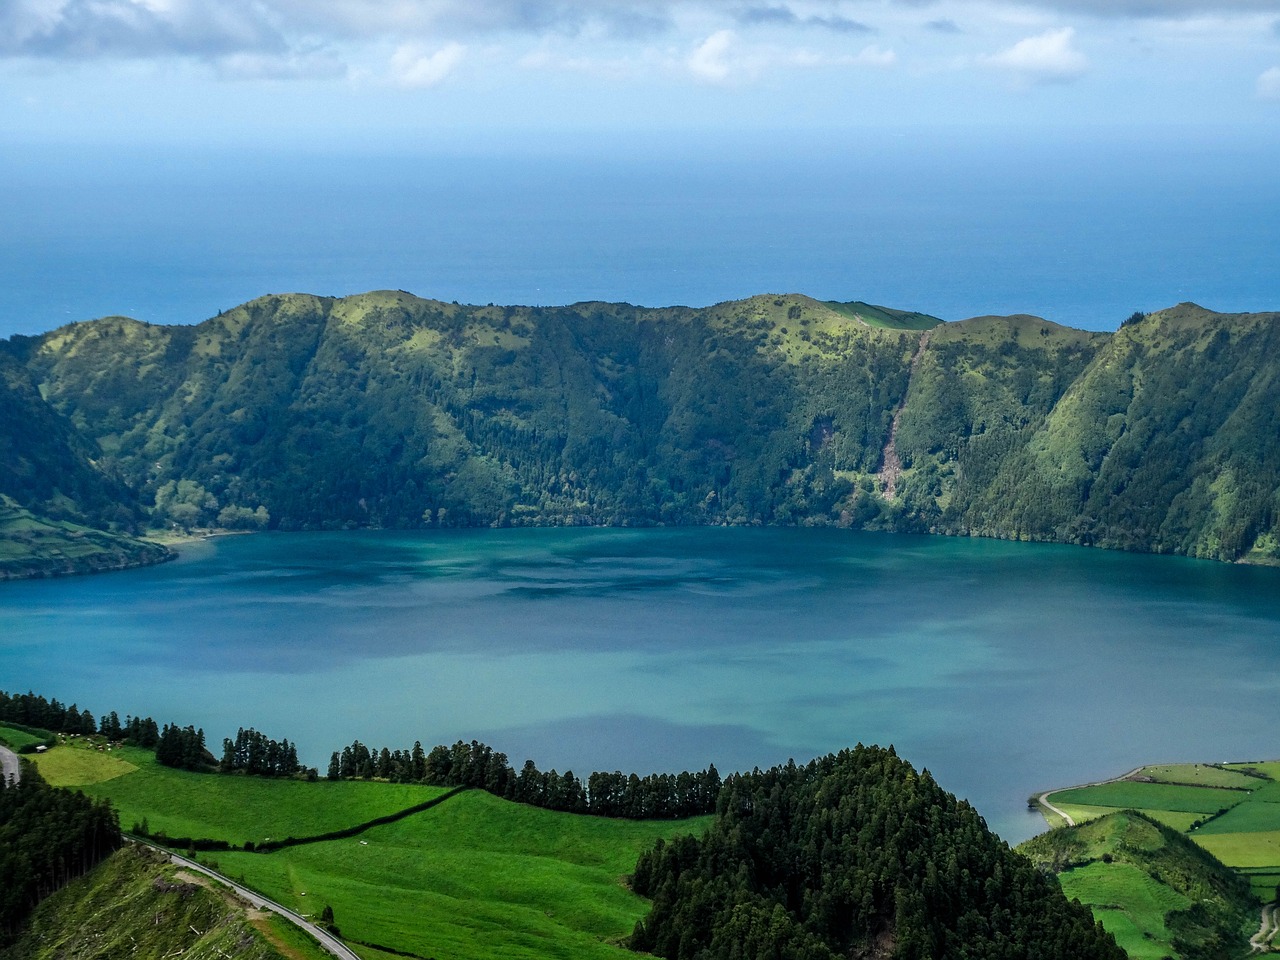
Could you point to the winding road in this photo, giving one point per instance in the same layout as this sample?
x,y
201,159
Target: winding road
x,y
1260,942
1043,798
325,939
9,766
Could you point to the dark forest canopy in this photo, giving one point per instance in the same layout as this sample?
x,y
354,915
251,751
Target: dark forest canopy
x,y
387,410
854,855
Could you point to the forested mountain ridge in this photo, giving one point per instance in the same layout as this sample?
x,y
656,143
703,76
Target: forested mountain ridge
x,y
385,409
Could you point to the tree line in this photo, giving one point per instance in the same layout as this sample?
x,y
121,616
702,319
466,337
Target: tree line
x,y
48,837
251,752
657,796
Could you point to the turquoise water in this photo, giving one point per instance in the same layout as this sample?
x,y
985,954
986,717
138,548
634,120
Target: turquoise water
x,y
1004,668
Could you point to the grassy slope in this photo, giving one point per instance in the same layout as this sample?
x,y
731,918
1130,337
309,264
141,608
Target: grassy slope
x,y
473,877
135,904
32,545
1142,881
1246,838
16,739
180,803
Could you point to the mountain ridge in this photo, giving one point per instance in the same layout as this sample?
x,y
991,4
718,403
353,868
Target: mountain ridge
x,y
297,411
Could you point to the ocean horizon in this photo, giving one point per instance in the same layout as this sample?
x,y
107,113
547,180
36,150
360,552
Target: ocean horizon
x,y
1082,233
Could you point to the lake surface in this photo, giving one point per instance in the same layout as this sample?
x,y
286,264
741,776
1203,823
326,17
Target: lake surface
x,y
1004,668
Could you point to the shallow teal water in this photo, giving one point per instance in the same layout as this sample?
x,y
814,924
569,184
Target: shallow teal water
x,y
1004,668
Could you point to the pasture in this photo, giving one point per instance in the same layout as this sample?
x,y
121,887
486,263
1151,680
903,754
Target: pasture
x,y
180,803
474,877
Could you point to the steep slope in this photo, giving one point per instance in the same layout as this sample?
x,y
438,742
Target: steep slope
x,y
137,905
386,409
1151,886
1165,442
60,511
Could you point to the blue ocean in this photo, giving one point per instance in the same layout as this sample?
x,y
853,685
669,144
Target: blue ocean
x,y
1082,232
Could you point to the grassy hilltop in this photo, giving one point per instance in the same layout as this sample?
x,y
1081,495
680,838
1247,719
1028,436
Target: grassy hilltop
x,y
385,409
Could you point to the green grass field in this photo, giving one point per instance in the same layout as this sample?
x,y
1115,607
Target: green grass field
x,y
1246,838
1127,794
232,808
16,739
1129,903
475,877
1201,775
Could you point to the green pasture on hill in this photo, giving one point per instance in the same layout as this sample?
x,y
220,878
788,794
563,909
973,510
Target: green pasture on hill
x,y
1131,905
1130,795
180,803
475,877
1202,775
1187,798
16,739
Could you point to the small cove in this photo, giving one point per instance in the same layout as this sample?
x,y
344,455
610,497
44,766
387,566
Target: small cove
x,y
1004,668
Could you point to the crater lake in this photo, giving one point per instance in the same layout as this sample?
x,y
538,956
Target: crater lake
x,y
1004,668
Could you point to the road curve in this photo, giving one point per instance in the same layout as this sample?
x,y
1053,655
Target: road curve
x,y
9,766
1260,942
325,939
1043,798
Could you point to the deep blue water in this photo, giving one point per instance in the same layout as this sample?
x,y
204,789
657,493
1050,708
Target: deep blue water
x,y
1004,668
1081,231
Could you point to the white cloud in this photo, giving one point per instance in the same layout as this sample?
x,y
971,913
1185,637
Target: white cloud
x,y
1269,85
710,61
1048,57
412,66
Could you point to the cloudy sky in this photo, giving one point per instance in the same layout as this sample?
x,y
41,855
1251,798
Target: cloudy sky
x,y
361,71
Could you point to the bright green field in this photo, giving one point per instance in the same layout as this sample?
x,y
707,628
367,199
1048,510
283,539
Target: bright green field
x,y
476,877
1126,794
1200,775
232,808
17,739
1256,816
1130,904
79,766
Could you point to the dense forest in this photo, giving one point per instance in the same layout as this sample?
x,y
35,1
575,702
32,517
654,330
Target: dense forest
x,y
853,855
387,410
48,837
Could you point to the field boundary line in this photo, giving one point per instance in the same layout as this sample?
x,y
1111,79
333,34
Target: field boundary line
x,y
270,846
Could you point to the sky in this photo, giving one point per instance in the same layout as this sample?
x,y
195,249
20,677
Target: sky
x,y
484,74
1070,158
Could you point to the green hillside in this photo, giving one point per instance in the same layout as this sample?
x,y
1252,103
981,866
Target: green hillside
x,y
385,409
136,904
1152,887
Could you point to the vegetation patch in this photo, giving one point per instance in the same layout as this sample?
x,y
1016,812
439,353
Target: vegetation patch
x,y
475,877
1202,775
23,739
82,763
1128,794
135,905
1160,893
1131,904
236,809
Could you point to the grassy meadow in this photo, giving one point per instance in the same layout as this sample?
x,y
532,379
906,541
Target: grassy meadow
x,y
1231,811
16,739
474,877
